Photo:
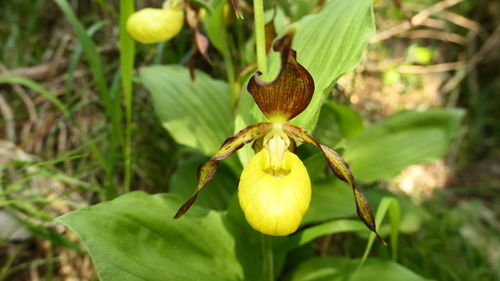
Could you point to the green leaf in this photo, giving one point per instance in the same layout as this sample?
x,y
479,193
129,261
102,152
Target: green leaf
x,y
196,113
307,235
383,150
315,165
412,216
327,130
349,121
342,269
218,191
328,44
135,238
390,205
330,199
299,8
216,27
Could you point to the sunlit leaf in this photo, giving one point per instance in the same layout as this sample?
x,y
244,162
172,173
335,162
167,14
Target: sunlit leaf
x,y
196,113
135,238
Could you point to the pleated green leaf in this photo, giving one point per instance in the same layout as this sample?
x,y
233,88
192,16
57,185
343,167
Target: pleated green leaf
x,y
342,269
135,238
196,113
382,150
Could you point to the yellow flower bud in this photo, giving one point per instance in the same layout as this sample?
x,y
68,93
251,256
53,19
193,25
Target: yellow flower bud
x,y
151,25
274,201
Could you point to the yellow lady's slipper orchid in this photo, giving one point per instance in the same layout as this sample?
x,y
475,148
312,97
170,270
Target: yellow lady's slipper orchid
x,y
274,190
275,196
152,25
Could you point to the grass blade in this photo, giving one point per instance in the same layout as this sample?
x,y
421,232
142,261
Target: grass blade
x,y
111,102
390,205
37,88
127,55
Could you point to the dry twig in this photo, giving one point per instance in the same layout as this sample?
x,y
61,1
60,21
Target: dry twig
x,y
416,20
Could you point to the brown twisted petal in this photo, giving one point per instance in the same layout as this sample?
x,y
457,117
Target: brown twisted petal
x,y
206,171
291,92
342,171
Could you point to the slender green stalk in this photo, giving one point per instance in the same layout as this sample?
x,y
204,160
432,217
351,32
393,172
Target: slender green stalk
x,y
260,36
127,52
228,63
267,257
260,44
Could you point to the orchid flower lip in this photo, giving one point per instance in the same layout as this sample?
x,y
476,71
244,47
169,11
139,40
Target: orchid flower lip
x,y
274,201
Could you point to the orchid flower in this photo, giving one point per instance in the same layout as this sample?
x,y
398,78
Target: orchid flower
x,y
275,190
154,25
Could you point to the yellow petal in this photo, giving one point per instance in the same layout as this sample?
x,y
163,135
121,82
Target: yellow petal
x,y
152,25
274,203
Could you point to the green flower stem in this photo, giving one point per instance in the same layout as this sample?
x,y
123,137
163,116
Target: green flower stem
x,y
267,257
260,36
228,64
260,44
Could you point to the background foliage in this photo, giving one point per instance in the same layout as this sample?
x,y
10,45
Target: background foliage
x,y
416,120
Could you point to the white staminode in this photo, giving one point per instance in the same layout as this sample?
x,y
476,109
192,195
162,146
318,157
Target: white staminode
x,y
277,147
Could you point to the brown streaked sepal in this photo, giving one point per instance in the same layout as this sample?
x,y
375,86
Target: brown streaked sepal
x,y
290,93
206,171
342,171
